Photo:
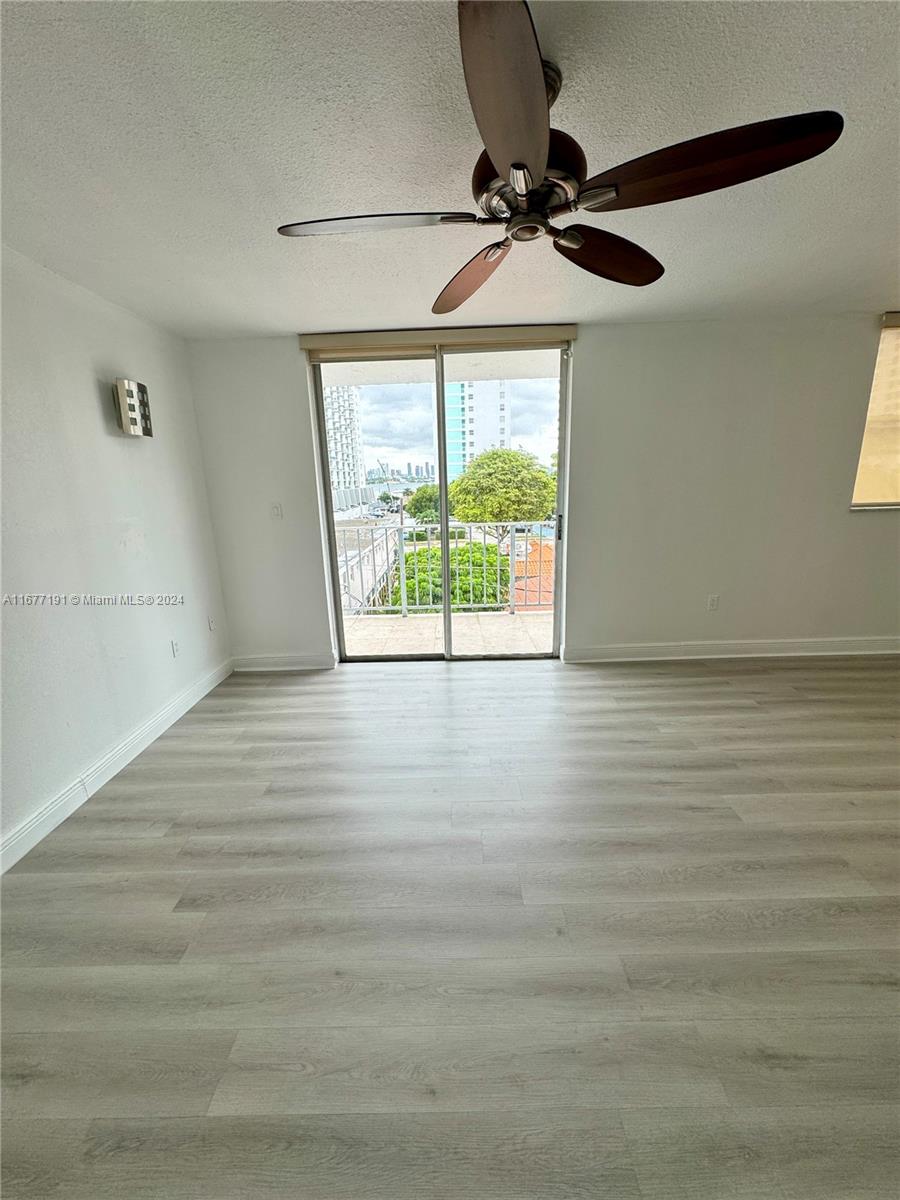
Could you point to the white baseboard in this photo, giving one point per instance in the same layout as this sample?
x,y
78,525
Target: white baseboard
x,y
27,835
285,662
648,651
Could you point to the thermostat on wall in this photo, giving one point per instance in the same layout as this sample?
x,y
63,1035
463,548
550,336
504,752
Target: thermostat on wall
x,y
133,408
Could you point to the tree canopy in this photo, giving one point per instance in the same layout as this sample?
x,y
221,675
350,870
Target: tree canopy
x,y
479,576
424,504
503,486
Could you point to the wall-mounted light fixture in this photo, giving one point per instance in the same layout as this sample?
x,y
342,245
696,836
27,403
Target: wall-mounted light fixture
x,y
133,408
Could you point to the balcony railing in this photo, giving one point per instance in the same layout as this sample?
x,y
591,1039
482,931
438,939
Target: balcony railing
x,y
393,569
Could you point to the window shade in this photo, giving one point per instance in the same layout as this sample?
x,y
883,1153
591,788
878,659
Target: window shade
x,y
412,343
878,473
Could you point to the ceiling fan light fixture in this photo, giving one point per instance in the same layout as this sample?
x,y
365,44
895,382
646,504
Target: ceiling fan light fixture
x,y
526,226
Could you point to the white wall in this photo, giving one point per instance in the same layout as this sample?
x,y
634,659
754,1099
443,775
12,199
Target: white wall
x,y
87,510
253,405
719,457
706,457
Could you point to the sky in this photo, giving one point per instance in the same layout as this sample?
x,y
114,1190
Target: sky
x,y
397,421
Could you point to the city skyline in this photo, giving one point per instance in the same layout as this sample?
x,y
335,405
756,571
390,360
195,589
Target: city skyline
x,y
424,471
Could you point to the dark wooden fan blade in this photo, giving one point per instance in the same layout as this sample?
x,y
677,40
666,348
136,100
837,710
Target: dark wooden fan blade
x,y
718,160
467,281
374,222
611,256
505,82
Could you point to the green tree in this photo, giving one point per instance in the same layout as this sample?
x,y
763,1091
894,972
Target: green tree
x,y
479,575
386,498
424,504
503,486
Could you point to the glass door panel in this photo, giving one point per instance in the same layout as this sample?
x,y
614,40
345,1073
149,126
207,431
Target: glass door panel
x,y
502,432
379,432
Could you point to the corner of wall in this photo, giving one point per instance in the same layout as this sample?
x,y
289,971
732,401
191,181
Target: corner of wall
x,y
25,836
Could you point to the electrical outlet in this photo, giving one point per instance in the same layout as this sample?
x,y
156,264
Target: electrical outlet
x,y
277,511
712,602
174,649
211,623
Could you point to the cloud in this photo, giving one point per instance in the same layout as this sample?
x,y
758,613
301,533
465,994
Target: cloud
x,y
534,408
397,420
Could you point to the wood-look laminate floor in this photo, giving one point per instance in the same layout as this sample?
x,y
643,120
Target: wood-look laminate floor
x,y
472,931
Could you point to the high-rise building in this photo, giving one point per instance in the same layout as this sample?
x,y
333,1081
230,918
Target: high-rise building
x,y
477,413
409,470
454,416
345,457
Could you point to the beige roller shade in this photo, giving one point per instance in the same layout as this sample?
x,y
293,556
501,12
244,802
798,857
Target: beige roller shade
x,y
412,343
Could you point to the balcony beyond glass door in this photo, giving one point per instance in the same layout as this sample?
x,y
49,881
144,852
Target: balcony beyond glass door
x,y
380,432
502,426
492,576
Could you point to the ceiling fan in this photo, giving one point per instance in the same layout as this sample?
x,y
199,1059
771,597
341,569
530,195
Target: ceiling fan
x,y
530,174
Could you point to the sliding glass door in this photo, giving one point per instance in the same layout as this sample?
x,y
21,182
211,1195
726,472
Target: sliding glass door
x,y
379,426
502,419
442,485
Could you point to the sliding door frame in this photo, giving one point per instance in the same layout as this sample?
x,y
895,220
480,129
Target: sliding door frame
x,y
322,437
562,484
440,403
435,353
325,471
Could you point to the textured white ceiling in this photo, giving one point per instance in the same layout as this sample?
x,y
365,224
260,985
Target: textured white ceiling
x,y
150,150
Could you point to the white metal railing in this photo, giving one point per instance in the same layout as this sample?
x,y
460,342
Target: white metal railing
x,y
392,569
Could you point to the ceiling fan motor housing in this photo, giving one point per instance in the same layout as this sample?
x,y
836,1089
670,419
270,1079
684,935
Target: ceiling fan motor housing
x,y
566,171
